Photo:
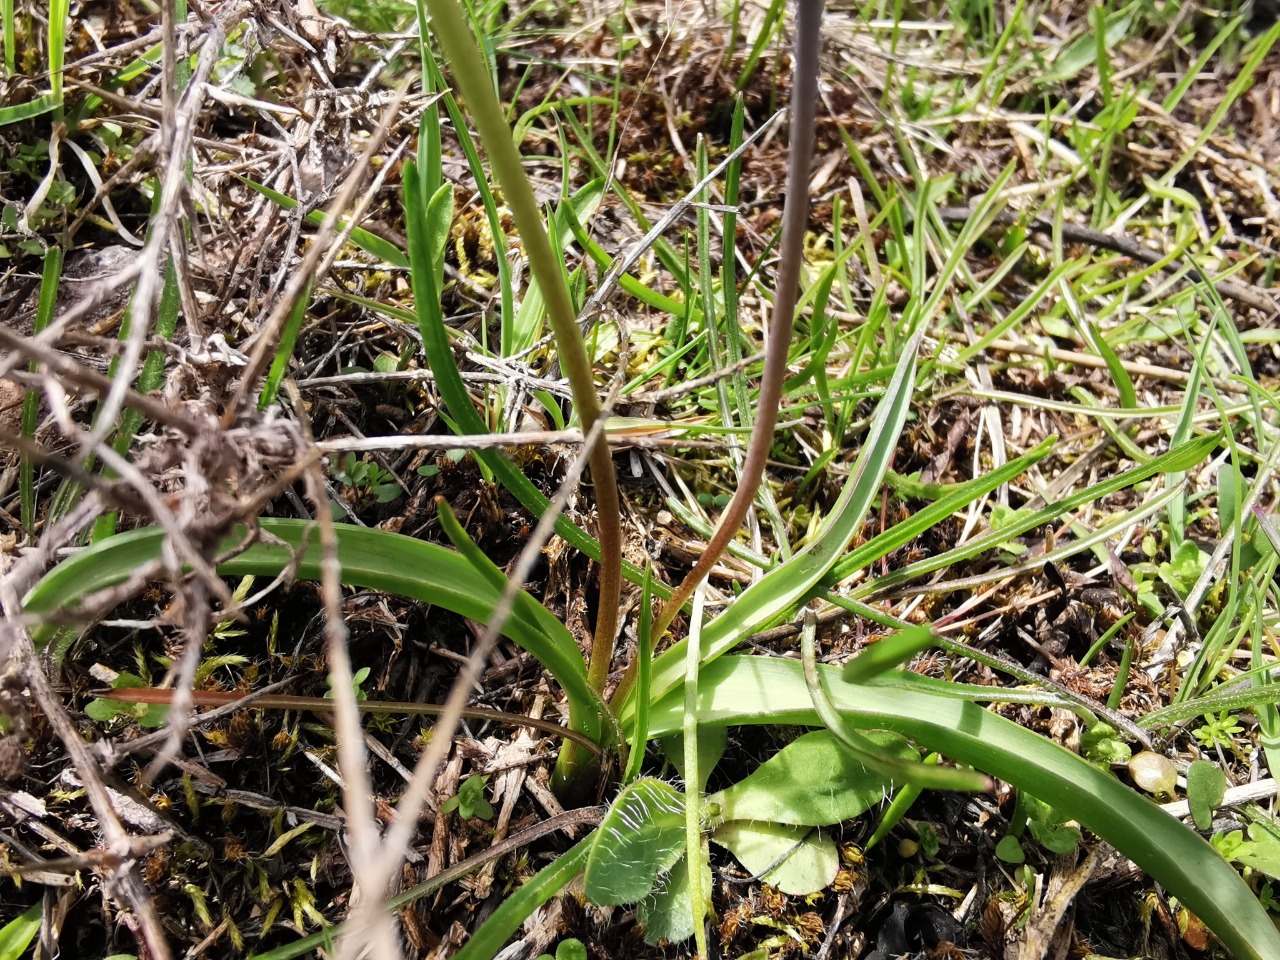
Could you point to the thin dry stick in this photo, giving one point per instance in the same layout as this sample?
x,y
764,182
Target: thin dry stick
x,y
401,831
71,373
357,795
795,217
179,126
319,257
118,865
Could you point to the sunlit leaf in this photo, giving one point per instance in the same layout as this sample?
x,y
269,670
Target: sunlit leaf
x,y
1206,786
640,837
797,860
812,781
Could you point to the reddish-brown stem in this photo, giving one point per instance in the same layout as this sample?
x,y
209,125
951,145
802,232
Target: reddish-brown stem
x,y
795,218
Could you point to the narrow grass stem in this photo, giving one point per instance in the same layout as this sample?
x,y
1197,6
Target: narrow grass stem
x,y
469,73
795,218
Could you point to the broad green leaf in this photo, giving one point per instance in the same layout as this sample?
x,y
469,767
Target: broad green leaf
x,y
640,837
1009,849
812,781
17,934
809,860
1261,852
743,690
667,913
1206,786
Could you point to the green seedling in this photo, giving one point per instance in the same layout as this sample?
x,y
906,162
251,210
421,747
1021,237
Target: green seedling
x,y
357,679
1206,786
1219,731
470,801
366,479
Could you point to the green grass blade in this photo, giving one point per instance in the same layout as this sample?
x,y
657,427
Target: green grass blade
x,y
695,781
629,284
17,934
750,690
887,654
31,402
1179,459
772,17
958,499
19,112
57,34
644,681
284,352
8,24
528,326
516,908
368,242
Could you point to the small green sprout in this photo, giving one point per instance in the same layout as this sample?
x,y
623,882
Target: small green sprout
x,y
1218,731
569,949
357,678
470,801
366,478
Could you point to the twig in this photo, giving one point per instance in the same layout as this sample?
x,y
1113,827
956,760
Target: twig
x,y
320,255
357,795
401,831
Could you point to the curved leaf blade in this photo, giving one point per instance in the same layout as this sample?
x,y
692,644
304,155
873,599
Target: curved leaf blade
x,y
778,590
738,690
375,559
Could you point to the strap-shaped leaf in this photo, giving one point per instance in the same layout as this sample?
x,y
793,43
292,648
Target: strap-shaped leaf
x,y
741,690
375,559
